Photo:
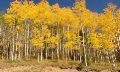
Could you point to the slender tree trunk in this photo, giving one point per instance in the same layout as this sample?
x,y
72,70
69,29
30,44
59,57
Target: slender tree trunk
x,y
52,54
16,52
66,55
13,45
58,46
41,55
3,47
74,56
19,54
28,32
60,49
12,56
12,52
84,49
63,49
97,56
26,38
113,60
63,53
38,57
16,49
58,52
46,53
94,58
101,58
80,58
118,39
108,57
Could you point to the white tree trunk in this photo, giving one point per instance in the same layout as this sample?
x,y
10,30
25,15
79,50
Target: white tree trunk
x,y
52,54
41,54
46,53
84,49
38,58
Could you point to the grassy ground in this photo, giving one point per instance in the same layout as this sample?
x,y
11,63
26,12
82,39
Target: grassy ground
x,y
34,65
104,65
44,62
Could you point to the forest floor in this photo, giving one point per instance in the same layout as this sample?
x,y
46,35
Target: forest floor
x,y
53,66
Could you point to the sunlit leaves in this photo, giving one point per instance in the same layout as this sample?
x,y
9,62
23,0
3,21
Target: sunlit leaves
x,y
37,38
53,24
72,40
44,13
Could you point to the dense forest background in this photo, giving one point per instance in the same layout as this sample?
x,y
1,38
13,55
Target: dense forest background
x,y
44,32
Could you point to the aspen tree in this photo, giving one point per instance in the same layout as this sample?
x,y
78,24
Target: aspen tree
x,y
11,18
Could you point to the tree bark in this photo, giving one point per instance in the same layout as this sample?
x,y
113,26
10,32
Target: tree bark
x,y
41,55
84,49
38,57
